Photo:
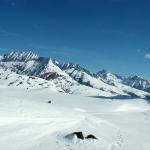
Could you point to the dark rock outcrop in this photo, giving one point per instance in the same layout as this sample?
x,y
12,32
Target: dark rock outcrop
x,y
79,135
90,136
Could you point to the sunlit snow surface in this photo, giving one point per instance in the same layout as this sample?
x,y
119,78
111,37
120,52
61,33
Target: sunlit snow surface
x,y
29,122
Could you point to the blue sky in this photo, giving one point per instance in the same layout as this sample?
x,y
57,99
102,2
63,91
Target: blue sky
x,y
98,34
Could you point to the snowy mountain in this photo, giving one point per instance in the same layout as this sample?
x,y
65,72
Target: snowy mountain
x,y
138,83
21,56
30,64
40,73
109,77
78,73
13,80
21,68
132,81
85,77
104,80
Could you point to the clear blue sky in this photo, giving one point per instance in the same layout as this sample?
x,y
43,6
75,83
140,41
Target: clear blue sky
x,y
98,34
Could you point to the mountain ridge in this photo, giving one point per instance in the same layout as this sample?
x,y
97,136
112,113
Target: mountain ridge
x,y
70,75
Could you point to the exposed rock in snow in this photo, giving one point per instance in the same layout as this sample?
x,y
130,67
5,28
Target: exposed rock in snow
x,y
79,135
90,136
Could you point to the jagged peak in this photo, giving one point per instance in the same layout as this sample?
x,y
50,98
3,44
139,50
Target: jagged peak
x,y
20,56
136,77
108,73
71,65
104,72
109,77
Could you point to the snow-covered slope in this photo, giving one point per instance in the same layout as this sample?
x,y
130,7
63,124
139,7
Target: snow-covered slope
x,y
103,80
13,80
31,64
69,78
109,77
136,82
37,114
29,122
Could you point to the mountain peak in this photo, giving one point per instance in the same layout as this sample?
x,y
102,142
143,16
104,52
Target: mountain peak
x,y
109,77
104,72
136,77
69,65
66,66
30,64
20,56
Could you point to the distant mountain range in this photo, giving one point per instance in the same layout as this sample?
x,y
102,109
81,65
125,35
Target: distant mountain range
x,y
30,71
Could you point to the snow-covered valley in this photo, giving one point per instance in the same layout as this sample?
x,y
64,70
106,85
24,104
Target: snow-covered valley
x,y
74,75
29,122
46,105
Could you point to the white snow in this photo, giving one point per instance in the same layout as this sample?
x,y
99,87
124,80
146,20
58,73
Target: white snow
x,y
29,122
102,85
11,79
17,67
